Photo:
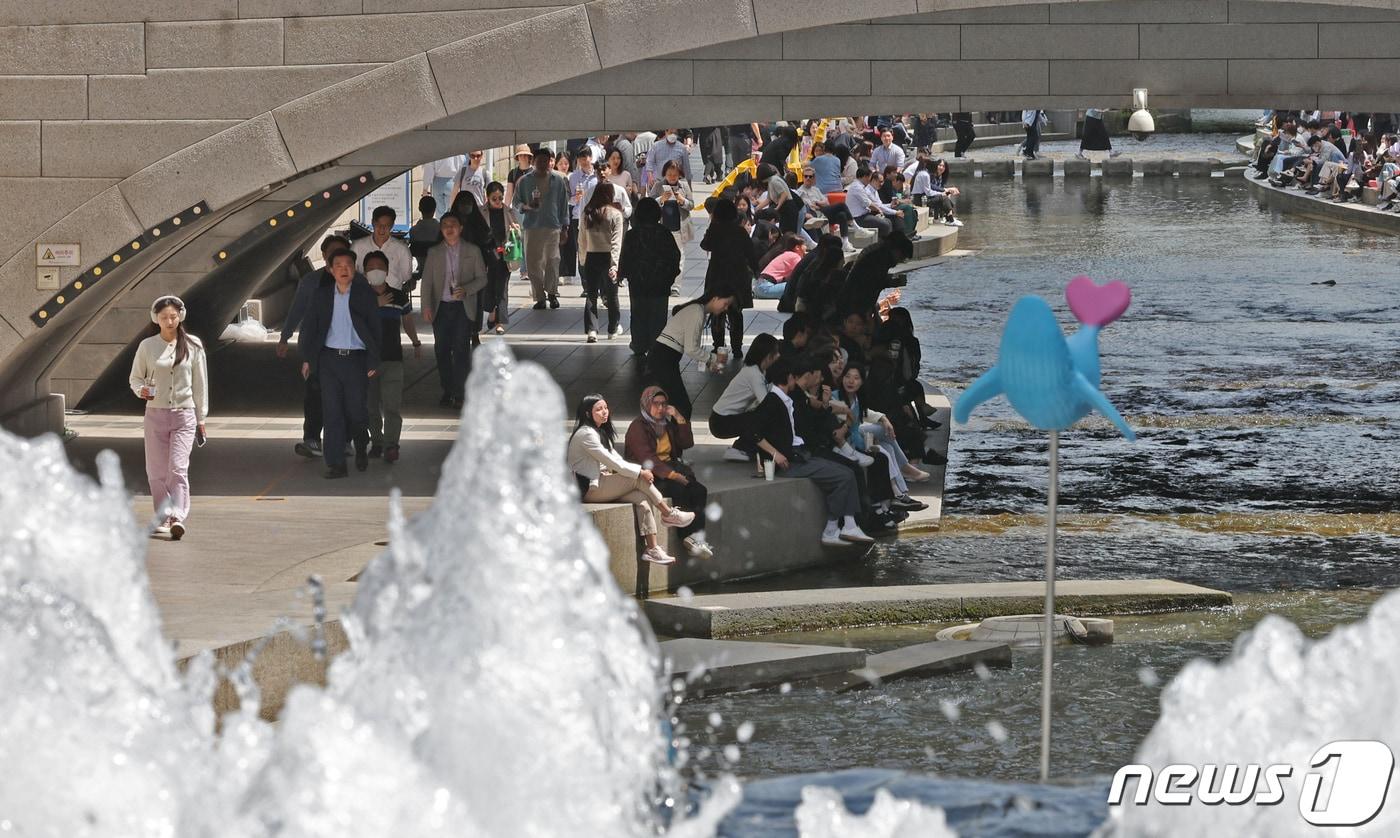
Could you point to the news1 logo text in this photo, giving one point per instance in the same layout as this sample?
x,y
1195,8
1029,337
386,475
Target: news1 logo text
x,y
1360,780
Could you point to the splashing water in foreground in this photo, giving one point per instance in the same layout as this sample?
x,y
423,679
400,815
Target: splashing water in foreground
x,y
497,683
1276,700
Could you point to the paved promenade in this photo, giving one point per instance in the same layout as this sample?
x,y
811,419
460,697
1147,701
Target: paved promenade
x,y
264,520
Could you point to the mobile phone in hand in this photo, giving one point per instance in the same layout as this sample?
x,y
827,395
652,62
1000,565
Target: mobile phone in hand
x,y
199,437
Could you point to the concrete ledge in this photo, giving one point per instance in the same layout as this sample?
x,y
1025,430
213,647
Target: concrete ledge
x,y
937,657
996,168
727,665
282,661
1298,203
733,615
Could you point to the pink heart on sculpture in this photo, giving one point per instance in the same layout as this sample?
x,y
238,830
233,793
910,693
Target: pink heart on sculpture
x,y
1097,305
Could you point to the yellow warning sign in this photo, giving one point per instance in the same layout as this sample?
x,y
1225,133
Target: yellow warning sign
x,y
57,255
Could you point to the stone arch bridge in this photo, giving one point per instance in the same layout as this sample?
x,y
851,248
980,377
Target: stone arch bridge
x,y
195,146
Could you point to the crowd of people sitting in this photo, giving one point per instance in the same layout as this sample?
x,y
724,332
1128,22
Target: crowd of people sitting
x,y
837,399
1334,157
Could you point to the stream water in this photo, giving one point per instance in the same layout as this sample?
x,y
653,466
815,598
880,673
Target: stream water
x,y
1265,466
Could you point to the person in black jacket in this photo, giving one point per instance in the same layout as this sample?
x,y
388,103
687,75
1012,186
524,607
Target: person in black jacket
x,y
340,341
733,264
870,274
650,263
779,440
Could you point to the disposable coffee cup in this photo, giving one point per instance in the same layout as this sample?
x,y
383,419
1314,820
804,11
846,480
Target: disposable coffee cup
x,y
770,469
869,440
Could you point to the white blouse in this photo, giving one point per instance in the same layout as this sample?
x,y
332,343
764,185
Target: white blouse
x,y
176,386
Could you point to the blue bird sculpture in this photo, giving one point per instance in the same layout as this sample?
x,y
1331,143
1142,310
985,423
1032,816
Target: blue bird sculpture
x,y
1052,381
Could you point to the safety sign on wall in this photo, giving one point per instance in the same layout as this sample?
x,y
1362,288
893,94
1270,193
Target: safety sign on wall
x,y
51,255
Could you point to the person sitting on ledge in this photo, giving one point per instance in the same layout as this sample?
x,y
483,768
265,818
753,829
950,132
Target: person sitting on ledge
x,y
779,440
604,476
736,410
656,439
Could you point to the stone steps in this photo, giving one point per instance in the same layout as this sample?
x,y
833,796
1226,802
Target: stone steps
x,y
734,615
937,657
1074,167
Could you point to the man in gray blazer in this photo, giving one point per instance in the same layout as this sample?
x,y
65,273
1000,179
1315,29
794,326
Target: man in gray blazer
x,y
453,274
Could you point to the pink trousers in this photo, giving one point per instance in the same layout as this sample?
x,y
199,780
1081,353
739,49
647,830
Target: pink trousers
x,y
169,439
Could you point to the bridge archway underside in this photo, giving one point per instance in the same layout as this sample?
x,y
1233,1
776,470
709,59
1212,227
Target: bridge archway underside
x,y
172,111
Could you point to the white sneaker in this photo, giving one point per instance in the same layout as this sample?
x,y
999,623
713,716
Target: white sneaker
x,y
734,455
1114,153
677,518
592,337
615,332
847,247
914,475
656,555
850,453
177,530
698,549
831,537
852,532
162,529
1080,155
952,222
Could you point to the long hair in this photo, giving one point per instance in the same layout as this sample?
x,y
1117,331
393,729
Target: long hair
x,y
598,204
788,241
583,418
760,348
705,298
182,338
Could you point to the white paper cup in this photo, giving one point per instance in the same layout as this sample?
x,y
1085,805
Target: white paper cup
x,y
770,468
869,440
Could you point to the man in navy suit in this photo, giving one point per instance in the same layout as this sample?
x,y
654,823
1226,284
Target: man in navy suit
x,y
340,341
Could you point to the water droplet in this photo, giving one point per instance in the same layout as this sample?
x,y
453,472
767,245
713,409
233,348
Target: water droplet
x,y
684,594
1147,676
731,753
745,732
982,671
744,533
716,720
997,731
951,711
785,688
713,511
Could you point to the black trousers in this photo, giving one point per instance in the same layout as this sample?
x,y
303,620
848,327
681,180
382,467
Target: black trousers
x,y
597,283
311,408
741,427
664,370
966,135
648,319
452,345
735,320
691,497
344,401
740,149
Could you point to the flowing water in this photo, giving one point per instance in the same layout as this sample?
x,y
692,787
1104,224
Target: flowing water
x,y
1265,467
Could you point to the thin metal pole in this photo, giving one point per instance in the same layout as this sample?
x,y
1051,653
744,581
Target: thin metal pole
x,y
1048,639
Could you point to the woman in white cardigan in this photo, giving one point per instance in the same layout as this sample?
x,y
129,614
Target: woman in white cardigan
x,y
604,476
170,374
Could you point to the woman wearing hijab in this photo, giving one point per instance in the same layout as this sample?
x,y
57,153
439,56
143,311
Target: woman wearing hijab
x,y
650,263
733,264
658,436
170,375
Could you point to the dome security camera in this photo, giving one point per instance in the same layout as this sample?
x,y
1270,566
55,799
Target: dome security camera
x,y
1140,124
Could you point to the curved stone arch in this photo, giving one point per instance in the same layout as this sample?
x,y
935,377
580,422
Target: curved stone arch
x,y
426,88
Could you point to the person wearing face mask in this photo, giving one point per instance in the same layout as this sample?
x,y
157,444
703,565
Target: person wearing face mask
x,y
170,375
382,239
668,150
386,389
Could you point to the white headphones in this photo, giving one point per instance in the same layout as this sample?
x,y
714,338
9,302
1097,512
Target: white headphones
x,y
162,303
